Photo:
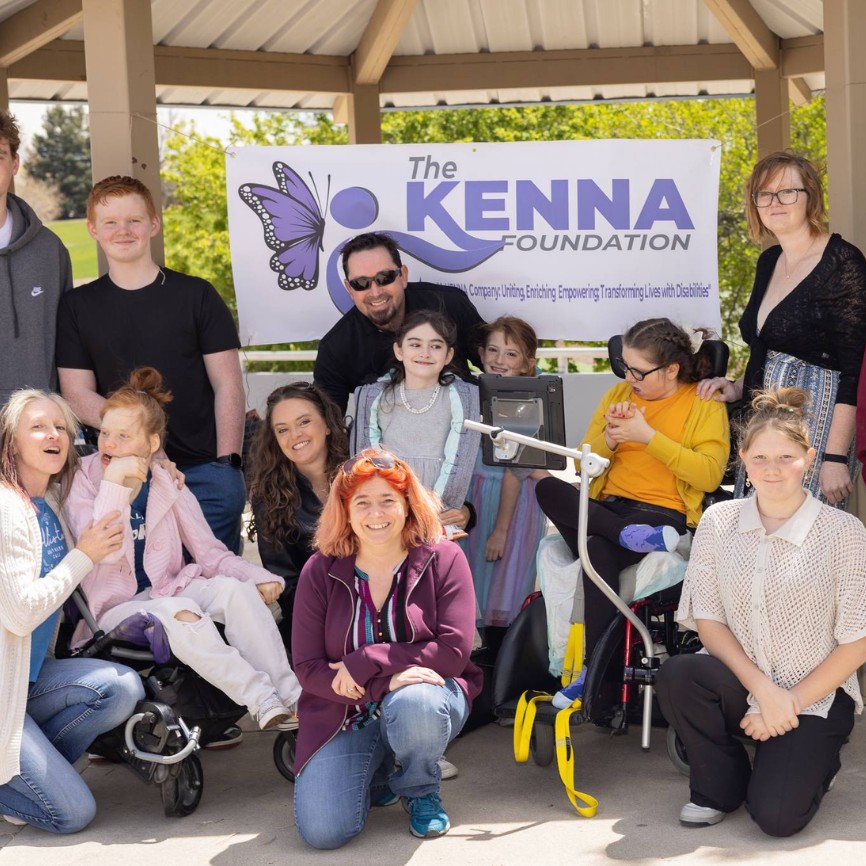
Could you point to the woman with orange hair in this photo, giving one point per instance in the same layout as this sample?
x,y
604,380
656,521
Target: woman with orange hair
x,y
383,626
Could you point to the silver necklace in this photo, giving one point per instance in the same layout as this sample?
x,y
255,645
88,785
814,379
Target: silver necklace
x,y
411,408
800,261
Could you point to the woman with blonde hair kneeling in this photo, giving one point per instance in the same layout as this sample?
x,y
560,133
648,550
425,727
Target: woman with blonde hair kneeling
x,y
383,626
776,587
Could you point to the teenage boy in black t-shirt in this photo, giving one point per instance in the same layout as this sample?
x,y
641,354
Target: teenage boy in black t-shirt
x,y
141,314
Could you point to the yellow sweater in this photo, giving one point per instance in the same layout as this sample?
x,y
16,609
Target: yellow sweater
x,y
697,461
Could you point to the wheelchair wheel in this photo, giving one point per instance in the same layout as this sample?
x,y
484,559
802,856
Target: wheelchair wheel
x,y
284,754
677,752
181,791
542,746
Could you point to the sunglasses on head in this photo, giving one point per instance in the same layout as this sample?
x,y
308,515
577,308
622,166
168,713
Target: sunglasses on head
x,y
383,278
378,459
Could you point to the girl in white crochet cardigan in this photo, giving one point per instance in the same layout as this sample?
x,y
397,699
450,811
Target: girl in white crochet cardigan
x,y
776,587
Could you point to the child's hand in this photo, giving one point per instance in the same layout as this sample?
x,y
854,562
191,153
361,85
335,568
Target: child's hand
x,y
495,545
269,591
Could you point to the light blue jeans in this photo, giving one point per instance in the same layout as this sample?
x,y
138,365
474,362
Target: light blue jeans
x,y
334,791
222,495
71,703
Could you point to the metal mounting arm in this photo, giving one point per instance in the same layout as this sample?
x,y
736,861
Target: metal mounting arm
x,y
591,466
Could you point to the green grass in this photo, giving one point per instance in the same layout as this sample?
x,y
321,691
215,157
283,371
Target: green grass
x,y
82,248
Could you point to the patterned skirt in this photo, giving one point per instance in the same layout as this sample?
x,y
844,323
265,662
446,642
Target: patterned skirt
x,y
786,371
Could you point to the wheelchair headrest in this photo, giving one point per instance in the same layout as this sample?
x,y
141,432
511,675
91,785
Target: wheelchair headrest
x,y
716,350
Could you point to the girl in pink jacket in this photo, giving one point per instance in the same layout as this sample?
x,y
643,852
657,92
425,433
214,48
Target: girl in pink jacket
x,y
148,572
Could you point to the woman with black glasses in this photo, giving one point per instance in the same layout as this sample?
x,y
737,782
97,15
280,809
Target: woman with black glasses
x,y
805,322
666,449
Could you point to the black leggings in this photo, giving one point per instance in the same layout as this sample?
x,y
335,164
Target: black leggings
x,y
560,501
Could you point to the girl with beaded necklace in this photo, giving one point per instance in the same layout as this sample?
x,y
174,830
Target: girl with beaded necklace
x,y
417,411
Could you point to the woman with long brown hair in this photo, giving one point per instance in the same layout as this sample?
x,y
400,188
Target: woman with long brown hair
x,y
300,445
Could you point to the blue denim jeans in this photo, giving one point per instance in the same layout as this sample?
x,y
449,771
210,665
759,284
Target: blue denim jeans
x,y
221,492
71,703
334,791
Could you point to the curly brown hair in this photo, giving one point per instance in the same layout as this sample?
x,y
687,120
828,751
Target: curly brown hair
x,y
275,478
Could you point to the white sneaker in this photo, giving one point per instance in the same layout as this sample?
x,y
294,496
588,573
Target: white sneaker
x,y
700,816
272,715
449,771
11,819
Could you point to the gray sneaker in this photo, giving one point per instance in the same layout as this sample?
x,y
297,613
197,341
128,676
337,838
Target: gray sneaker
x,y
700,816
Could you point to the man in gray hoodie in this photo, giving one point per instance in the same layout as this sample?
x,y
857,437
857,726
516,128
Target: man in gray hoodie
x,y
34,271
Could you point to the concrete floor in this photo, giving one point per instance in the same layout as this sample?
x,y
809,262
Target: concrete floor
x,y
501,814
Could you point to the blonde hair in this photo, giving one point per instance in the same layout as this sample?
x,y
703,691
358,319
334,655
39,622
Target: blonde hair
x,y
10,419
784,411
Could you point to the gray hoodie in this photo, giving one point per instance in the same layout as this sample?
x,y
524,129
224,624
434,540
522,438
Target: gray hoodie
x,y
34,271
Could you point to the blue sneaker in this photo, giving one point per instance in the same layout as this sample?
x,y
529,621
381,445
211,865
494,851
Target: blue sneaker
x,y
564,698
427,818
642,538
389,798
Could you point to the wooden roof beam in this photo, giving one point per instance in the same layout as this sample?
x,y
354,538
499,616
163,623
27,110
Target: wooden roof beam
x,y
799,92
380,38
760,46
63,60
37,25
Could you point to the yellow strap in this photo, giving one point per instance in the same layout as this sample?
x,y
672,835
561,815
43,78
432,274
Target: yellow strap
x,y
565,763
573,654
524,719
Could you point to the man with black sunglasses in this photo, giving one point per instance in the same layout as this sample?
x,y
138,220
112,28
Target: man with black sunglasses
x,y
359,348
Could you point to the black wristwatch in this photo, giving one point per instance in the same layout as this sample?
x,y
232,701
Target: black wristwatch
x,y
233,460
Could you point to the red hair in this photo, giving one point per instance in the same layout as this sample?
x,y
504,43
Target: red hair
x,y
144,392
334,534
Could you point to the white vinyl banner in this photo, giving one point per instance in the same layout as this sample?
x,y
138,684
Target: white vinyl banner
x,y
580,238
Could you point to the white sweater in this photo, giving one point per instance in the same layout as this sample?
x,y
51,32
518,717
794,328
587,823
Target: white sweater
x,y
25,602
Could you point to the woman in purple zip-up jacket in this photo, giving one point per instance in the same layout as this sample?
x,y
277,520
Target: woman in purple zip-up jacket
x,y
383,626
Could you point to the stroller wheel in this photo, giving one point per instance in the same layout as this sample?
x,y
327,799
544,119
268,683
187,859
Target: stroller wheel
x,y
542,746
677,752
181,791
284,754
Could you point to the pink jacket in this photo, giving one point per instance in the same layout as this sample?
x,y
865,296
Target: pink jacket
x,y
174,520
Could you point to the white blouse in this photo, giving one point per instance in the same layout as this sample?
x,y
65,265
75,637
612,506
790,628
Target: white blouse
x,y
790,597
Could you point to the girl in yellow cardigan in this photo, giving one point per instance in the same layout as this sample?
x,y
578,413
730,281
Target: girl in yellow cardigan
x,y
667,448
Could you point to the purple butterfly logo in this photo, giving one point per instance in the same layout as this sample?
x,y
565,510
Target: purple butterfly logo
x,y
293,223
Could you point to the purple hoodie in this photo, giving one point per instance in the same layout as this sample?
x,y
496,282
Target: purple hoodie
x,y
440,617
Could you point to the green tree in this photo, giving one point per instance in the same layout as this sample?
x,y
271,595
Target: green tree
x,y
61,156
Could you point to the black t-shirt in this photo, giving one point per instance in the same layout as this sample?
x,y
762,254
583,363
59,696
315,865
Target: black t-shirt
x,y
170,325
355,352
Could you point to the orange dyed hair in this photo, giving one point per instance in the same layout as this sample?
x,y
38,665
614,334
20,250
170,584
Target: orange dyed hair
x,y
115,187
334,534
